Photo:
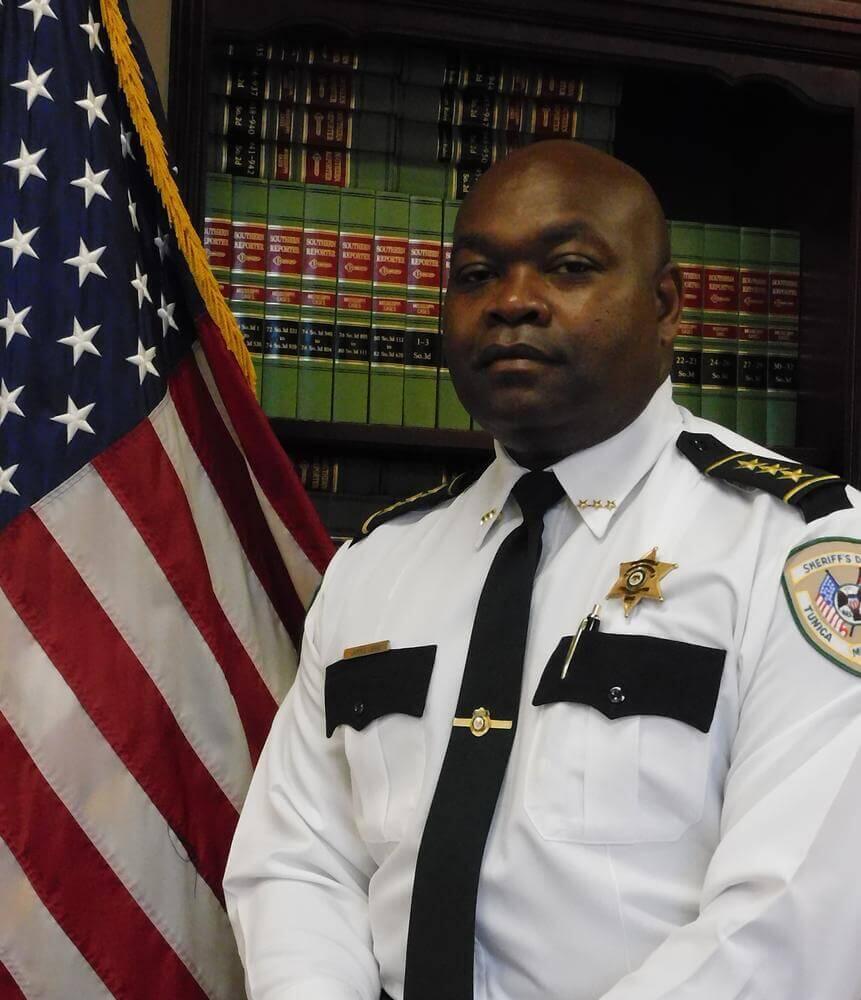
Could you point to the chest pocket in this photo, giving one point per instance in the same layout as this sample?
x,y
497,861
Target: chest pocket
x,y
376,702
621,753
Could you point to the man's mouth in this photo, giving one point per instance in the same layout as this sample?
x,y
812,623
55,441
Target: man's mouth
x,y
505,354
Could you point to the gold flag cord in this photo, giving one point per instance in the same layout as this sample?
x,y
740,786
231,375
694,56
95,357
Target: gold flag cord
x,y
131,83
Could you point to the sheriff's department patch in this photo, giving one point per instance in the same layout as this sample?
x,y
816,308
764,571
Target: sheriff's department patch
x,y
822,581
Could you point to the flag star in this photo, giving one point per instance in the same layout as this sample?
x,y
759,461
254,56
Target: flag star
x,y
92,104
7,401
92,29
143,360
133,212
75,419
81,341
126,142
86,262
19,243
161,242
139,282
165,314
14,322
6,480
27,164
39,9
34,85
91,182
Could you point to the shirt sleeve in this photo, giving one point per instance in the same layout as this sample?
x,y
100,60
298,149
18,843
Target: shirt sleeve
x,y
296,884
780,911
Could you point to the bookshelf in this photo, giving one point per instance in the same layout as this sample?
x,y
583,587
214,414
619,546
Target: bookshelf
x,y
740,113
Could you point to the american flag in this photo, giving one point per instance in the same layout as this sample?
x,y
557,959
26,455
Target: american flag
x,y
156,550
825,602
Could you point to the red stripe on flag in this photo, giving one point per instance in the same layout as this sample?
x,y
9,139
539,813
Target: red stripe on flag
x,y
116,692
273,470
80,889
9,989
226,468
139,473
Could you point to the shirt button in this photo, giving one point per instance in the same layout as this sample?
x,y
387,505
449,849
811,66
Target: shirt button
x,y
358,708
616,695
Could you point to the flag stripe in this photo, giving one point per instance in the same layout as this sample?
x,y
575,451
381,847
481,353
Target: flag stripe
x,y
142,478
45,961
228,471
239,592
93,783
87,522
65,869
115,690
9,989
275,475
303,573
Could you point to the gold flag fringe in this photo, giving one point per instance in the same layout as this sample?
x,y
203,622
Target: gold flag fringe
x,y
152,141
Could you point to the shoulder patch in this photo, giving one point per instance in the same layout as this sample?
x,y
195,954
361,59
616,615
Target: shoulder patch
x,y
420,501
822,583
813,491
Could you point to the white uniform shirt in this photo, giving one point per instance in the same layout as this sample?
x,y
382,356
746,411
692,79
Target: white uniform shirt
x,y
633,859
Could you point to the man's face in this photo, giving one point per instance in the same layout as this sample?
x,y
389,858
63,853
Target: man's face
x,y
556,330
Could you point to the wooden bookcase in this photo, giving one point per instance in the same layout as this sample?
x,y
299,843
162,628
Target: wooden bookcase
x,y
745,113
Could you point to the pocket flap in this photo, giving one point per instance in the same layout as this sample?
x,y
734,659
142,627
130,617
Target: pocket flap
x,y
364,688
622,675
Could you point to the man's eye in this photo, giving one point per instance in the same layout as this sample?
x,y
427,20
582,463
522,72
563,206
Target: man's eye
x,y
571,265
473,275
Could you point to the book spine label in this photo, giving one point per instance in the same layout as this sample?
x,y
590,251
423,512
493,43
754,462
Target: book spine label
x,y
248,274
386,402
751,405
218,229
421,344
353,326
317,307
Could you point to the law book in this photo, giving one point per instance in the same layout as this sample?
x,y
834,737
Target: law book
x,y
686,249
218,228
450,412
353,317
279,390
754,251
388,319
302,52
304,164
720,323
325,128
248,274
784,302
317,303
421,342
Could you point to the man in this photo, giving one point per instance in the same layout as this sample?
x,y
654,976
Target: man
x,y
651,793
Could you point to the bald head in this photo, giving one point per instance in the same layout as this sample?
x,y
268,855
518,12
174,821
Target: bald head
x,y
609,184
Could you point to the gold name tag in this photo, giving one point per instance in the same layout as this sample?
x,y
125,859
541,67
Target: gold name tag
x,y
367,649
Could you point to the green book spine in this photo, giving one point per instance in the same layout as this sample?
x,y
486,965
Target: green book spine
x,y
422,341
353,319
752,332
218,230
388,320
248,274
450,411
784,299
686,249
283,290
720,323
317,304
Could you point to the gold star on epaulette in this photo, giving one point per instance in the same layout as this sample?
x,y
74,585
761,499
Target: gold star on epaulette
x,y
796,475
640,579
751,464
773,469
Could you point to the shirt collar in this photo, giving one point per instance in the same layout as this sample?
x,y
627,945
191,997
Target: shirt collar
x,y
596,480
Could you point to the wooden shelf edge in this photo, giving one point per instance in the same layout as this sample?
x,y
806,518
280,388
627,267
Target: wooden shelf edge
x,y
380,437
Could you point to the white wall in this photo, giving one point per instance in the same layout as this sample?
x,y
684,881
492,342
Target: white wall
x,y
152,19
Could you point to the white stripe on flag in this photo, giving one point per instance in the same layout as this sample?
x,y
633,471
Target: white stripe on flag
x,y
115,813
105,548
302,571
240,594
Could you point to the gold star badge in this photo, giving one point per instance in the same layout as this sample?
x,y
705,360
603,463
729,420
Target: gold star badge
x,y
640,579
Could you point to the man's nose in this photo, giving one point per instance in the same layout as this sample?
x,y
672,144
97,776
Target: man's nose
x,y
519,299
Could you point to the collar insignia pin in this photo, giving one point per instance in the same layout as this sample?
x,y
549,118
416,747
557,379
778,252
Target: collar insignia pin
x,y
640,579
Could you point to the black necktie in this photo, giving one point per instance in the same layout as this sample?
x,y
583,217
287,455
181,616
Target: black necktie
x,y
440,942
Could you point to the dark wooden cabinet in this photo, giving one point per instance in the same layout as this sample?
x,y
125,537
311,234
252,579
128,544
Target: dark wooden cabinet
x,y
745,113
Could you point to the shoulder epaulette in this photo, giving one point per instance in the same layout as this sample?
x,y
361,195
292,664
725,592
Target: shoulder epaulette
x,y
813,491
420,501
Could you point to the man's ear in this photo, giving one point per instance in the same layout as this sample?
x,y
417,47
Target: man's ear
x,y
668,302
